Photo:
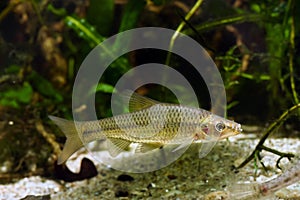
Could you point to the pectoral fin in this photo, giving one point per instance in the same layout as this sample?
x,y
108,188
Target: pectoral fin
x,y
185,144
116,146
210,140
206,148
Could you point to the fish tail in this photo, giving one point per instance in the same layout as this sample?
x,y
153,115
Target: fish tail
x,y
73,142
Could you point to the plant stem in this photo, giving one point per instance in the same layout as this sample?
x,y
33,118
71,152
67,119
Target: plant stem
x,y
291,53
222,22
180,27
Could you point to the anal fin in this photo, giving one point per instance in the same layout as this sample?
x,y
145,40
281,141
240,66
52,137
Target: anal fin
x,y
145,147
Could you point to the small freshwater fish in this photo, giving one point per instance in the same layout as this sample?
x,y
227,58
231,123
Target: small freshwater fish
x,y
152,125
266,189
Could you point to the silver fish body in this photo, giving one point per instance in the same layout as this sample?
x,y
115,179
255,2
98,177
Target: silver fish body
x,y
151,125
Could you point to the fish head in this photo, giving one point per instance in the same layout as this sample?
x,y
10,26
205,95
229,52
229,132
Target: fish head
x,y
219,128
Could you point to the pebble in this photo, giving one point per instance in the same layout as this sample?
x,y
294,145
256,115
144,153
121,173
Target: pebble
x,y
28,186
125,177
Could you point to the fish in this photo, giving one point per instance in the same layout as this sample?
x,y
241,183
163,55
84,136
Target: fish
x,y
151,124
267,189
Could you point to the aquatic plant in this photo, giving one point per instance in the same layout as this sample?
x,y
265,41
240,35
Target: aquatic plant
x,y
36,76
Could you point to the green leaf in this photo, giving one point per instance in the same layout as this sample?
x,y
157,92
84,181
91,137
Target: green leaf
x,y
256,8
130,18
44,87
13,69
131,14
232,104
103,87
88,33
9,103
100,14
84,30
14,97
57,11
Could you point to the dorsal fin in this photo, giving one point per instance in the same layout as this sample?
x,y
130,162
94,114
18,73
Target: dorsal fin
x,y
138,102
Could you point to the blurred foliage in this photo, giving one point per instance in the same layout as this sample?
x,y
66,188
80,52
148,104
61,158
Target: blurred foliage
x,y
43,43
15,97
104,22
270,68
241,64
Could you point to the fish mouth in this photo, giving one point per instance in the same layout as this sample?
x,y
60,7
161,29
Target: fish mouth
x,y
238,128
228,134
232,132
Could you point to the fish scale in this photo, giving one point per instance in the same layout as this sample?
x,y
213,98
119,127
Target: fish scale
x,y
146,122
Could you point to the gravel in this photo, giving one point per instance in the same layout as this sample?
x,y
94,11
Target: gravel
x,y
187,178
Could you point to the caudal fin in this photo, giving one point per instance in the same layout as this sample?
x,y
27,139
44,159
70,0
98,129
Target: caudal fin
x,y
73,142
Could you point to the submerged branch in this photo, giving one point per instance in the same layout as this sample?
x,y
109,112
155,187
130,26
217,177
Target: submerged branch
x,y
50,138
259,147
8,9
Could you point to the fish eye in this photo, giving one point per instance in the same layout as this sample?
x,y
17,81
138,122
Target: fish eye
x,y
220,126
